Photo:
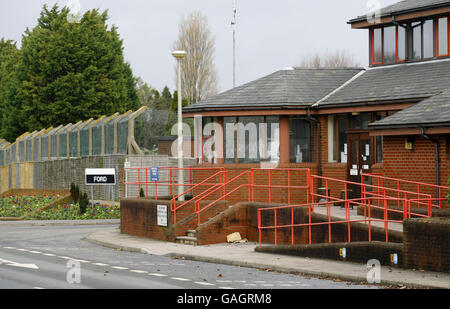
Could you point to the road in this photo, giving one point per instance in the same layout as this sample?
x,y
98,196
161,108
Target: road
x,y
58,257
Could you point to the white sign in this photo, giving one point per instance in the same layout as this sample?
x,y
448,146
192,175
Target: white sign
x,y
354,172
100,176
162,215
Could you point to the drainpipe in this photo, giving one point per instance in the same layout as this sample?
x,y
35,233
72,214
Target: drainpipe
x,y
436,150
319,163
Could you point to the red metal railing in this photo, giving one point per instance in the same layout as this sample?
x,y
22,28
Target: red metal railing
x,y
199,210
379,193
252,186
173,203
171,181
371,197
382,181
348,221
215,187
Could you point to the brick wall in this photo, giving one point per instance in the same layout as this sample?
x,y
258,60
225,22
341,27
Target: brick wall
x,y
261,192
417,164
426,244
138,217
360,252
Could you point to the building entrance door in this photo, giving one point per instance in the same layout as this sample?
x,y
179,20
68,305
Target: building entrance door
x,y
359,159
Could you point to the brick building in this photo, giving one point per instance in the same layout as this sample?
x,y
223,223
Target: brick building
x,y
392,117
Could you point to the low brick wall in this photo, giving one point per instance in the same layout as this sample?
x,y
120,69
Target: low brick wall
x,y
426,244
360,252
35,192
138,217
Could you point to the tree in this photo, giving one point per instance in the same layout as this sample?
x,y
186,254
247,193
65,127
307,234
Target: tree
x,y
11,124
73,71
159,117
199,75
332,60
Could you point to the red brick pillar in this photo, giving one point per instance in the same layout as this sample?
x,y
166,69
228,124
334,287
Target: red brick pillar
x,y
284,140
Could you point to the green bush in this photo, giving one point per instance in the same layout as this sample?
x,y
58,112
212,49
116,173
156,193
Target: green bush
x,y
141,193
75,192
84,202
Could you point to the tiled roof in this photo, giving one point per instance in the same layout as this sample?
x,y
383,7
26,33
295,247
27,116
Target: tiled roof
x,y
430,112
413,82
405,7
296,87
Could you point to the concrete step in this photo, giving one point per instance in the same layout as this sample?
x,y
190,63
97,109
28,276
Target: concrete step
x,y
186,240
191,233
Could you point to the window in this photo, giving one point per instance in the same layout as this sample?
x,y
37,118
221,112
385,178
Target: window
x,y
376,46
379,139
251,139
229,139
389,45
401,44
337,138
428,39
361,121
417,41
300,140
423,39
443,36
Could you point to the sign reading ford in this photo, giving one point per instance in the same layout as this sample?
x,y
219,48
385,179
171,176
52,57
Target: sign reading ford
x,y
100,176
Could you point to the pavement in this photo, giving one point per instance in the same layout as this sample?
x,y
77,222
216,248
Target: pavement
x,y
244,255
341,213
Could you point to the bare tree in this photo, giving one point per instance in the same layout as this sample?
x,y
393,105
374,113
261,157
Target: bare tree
x,y
198,71
332,60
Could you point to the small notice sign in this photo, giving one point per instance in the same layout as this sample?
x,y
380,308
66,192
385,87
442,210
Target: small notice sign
x,y
154,174
162,215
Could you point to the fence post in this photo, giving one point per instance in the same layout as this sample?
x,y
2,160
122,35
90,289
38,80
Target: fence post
x,y
259,225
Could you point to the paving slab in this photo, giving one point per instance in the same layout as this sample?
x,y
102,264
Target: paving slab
x,y
244,255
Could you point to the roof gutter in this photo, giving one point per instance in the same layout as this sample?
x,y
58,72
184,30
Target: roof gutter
x,y
319,136
413,10
436,150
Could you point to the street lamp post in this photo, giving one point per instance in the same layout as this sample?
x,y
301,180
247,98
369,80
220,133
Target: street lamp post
x,y
179,55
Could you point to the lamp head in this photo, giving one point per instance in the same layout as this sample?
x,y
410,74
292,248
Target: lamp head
x,y
179,54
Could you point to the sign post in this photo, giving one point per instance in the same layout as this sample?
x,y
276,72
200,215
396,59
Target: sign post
x,y
100,177
126,166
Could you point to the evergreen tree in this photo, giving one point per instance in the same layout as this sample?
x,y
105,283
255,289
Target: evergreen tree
x,y
11,124
73,71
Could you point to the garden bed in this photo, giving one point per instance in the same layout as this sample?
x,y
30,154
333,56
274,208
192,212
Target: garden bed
x,y
30,204
71,211
16,207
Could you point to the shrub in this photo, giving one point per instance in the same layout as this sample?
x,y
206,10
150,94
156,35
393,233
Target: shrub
x,y
84,202
141,193
75,192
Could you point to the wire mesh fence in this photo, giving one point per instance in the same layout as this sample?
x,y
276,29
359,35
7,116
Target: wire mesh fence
x,y
108,135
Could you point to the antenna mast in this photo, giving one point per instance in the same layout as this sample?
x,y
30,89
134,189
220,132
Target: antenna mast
x,y
233,25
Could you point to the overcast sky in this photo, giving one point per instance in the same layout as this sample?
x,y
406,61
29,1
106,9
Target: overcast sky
x,y
271,34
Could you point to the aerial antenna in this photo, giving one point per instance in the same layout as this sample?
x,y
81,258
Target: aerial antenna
x,y
233,25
